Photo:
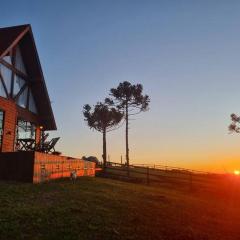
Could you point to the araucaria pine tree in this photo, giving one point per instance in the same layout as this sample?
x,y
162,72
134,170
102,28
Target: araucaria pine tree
x,y
233,127
130,100
103,118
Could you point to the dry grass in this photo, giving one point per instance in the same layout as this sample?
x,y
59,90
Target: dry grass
x,y
97,208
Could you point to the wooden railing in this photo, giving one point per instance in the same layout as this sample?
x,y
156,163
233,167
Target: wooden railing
x,y
159,173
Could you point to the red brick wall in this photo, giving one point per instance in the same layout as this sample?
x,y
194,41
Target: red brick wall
x,y
38,167
38,135
49,166
10,118
11,113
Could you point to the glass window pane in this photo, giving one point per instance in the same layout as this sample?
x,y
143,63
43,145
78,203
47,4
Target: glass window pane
x,y
7,76
18,84
2,90
32,105
22,99
19,61
8,59
25,130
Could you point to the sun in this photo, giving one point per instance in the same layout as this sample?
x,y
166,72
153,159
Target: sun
x,y
237,172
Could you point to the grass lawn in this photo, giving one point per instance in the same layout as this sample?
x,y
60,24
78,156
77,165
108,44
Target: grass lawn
x,y
98,208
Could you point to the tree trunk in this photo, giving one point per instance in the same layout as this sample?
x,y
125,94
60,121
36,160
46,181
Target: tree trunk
x,y
104,149
127,149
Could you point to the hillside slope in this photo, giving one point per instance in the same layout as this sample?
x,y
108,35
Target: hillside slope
x,y
97,208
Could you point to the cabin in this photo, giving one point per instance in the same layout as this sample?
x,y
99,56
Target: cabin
x,y
26,114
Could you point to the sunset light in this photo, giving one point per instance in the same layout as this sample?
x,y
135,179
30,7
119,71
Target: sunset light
x,y
119,120
237,172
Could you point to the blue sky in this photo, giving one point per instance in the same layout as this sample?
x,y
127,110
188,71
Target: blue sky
x,y
185,53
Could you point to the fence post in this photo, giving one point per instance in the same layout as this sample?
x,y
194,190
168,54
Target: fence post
x,y
191,182
62,169
148,180
128,173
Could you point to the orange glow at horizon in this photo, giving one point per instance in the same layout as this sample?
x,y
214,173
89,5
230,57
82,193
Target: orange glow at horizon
x,y
237,172
218,152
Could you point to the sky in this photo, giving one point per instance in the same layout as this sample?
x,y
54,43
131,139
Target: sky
x,y
186,54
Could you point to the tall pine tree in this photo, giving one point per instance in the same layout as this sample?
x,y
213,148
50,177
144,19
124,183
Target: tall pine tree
x,y
103,118
130,100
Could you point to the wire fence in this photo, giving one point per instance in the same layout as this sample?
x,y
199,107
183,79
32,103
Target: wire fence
x,y
151,173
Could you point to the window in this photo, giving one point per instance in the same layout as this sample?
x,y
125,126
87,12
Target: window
x,y
2,90
22,99
32,106
7,76
18,84
19,61
25,130
26,98
7,59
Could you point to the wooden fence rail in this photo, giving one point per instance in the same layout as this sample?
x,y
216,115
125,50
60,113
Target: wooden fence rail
x,y
160,173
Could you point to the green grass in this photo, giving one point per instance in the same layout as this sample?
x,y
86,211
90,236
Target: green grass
x,y
98,208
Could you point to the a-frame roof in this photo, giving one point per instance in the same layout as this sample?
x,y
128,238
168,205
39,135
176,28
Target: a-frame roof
x,y
23,37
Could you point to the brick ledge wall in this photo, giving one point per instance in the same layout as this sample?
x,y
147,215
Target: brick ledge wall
x,y
39,167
